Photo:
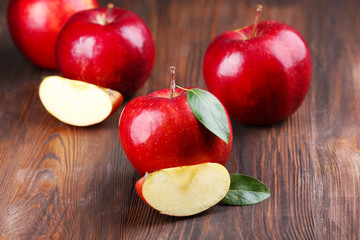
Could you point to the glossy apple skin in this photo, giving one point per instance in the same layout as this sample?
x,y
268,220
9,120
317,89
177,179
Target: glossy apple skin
x,y
119,54
260,80
35,24
157,132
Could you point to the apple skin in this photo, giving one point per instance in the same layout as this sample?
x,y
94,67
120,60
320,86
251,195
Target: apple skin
x,y
138,187
35,24
115,51
260,80
157,132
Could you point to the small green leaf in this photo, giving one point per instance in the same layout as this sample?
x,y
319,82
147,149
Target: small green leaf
x,y
210,112
245,190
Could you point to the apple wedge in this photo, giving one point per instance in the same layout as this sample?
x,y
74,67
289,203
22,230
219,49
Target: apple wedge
x,y
186,190
78,103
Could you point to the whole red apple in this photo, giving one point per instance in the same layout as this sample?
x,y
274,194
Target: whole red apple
x,y
158,131
35,24
108,47
261,73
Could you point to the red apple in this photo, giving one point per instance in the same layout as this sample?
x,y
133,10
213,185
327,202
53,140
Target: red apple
x,y
109,47
158,131
261,73
35,24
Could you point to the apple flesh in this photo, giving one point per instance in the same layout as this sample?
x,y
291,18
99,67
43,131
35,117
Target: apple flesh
x,y
260,79
158,132
35,24
78,103
109,47
185,190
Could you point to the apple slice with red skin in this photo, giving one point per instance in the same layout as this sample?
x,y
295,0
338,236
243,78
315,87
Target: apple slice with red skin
x,y
76,102
186,190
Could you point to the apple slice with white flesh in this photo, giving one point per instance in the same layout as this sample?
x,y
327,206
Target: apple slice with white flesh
x,y
186,190
76,102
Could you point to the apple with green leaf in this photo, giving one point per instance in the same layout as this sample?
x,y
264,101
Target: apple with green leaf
x,y
179,139
35,24
261,73
175,127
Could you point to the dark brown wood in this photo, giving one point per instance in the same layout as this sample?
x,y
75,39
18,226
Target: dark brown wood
x,y
64,182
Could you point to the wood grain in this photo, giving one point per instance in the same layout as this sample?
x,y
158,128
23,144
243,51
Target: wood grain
x,y
64,182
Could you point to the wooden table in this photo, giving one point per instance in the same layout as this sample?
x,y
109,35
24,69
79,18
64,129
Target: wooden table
x,y
64,182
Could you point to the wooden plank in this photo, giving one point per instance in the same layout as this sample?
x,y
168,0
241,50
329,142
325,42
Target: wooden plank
x,y
64,182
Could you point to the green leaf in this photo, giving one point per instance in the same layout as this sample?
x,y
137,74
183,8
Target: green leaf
x,y
245,190
210,112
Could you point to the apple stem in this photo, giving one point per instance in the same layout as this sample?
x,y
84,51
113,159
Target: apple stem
x,y
172,81
258,13
110,7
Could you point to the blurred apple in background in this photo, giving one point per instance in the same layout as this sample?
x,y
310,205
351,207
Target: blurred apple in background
x,y
261,73
34,26
109,47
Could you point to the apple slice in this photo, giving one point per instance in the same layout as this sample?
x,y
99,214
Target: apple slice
x,y
184,191
78,103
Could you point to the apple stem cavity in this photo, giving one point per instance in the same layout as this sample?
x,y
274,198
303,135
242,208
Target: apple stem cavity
x,y
172,81
257,18
110,7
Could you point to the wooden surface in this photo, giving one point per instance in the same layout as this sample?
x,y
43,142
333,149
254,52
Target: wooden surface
x,y
63,182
